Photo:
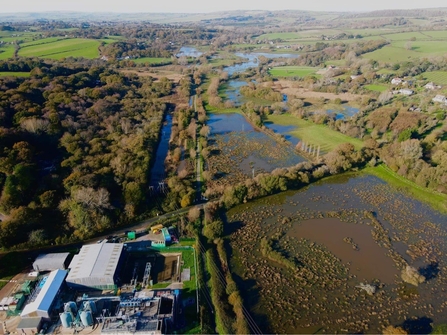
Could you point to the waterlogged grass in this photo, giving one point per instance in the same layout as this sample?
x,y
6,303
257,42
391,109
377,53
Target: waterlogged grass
x,y
292,71
14,74
314,134
152,60
376,88
438,77
57,49
436,200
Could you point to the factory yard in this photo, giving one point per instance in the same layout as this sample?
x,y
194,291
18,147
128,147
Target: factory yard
x,y
106,288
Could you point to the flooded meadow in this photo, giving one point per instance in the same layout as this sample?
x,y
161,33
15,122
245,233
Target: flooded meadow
x,y
237,150
340,234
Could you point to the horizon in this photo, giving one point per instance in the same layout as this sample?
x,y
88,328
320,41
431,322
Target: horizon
x,y
201,7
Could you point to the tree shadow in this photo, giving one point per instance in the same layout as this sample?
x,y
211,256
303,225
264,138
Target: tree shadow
x,y
430,271
418,326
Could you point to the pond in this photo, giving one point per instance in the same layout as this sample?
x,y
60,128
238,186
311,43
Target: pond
x,y
341,232
238,151
189,52
252,61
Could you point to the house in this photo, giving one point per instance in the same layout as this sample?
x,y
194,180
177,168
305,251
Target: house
x,y
439,98
432,86
396,81
406,91
354,77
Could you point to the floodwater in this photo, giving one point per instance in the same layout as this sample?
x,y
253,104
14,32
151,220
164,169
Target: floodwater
x,y
233,91
189,52
283,130
246,150
158,173
311,228
252,61
345,113
367,263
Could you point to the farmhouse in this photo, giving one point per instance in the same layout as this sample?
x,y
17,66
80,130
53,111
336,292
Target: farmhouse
x,y
406,91
432,86
440,98
396,81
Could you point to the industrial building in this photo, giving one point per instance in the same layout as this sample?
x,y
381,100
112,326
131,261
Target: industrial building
x,y
41,301
96,266
50,262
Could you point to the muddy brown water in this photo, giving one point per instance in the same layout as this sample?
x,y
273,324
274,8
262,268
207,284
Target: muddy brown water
x,y
321,294
367,263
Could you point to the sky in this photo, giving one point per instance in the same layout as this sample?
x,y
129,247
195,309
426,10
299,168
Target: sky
x,y
205,6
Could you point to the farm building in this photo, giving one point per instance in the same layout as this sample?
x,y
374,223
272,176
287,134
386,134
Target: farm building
x,y
50,262
432,86
440,98
396,81
406,91
96,266
41,302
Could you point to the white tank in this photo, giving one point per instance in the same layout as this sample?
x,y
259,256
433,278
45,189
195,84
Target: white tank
x,y
71,307
86,318
66,319
90,306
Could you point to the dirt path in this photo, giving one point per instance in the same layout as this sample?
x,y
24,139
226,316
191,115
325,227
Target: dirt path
x,y
286,87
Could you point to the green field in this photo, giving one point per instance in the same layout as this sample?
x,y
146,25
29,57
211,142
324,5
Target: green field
x,y
397,51
438,77
14,74
57,49
6,52
436,200
314,134
376,88
293,71
151,60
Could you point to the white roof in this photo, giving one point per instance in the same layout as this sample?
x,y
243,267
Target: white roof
x,y
47,294
95,261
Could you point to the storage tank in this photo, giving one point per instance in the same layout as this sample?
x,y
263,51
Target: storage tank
x,y
71,307
86,318
66,319
90,306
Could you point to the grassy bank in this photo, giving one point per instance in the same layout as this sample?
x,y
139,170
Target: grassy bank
x,y
314,134
436,200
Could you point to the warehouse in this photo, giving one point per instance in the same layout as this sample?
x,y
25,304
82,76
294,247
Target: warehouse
x,y
50,262
41,301
96,266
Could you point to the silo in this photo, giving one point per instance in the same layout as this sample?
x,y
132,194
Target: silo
x,y
86,318
71,307
90,306
66,319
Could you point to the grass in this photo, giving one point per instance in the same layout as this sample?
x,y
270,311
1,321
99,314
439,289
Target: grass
x,y
397,51
6,52
292,71
14,74
152,60
314,134
58,49
376,88
438,77
436,200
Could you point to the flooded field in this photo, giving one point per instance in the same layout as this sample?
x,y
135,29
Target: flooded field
x,y
345,112
333,237
238,151
189,52
252,61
